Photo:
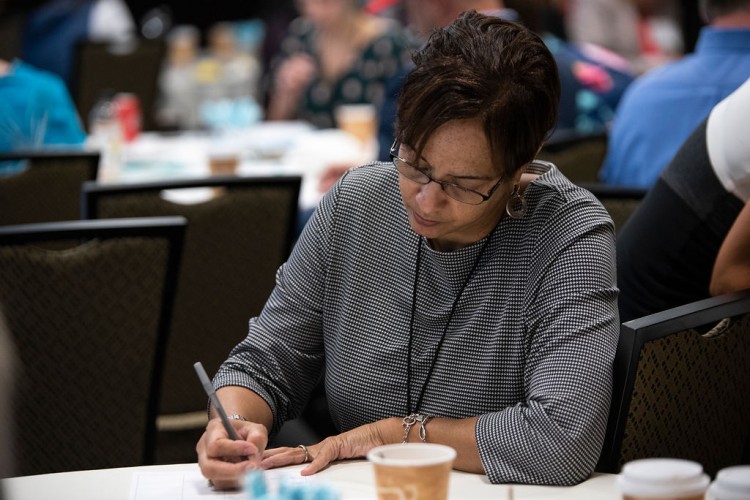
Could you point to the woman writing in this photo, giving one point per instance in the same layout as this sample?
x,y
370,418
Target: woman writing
x,y
461,293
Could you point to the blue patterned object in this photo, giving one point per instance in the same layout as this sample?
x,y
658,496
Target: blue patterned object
x,y
255,485
289,489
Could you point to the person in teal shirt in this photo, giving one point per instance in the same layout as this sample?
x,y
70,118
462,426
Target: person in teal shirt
x,y
36,111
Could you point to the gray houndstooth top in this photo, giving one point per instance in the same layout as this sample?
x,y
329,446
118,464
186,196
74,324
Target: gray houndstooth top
x,y
529,348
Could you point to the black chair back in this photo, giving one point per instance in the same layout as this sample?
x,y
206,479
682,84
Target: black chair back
x,y
234,245
90,325
578,156
49,189
620,202
682,386
103,67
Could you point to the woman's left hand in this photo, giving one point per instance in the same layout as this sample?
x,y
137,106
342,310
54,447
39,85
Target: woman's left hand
x,y
351,444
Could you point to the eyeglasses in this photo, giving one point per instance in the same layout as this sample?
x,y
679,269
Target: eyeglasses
x,y
458,193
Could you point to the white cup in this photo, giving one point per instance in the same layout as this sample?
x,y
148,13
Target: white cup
x,y
731,483
412,471
663,478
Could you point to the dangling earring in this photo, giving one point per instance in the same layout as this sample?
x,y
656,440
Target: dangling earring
x,y
516,205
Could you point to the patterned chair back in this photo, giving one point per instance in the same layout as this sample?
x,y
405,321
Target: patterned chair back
x,y
89,325
100,67
682,385
234,245
49,189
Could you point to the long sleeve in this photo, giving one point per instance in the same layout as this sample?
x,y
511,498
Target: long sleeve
x,y
554,435
281,359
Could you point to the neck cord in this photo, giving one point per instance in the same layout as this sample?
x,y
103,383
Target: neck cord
x,y
409,409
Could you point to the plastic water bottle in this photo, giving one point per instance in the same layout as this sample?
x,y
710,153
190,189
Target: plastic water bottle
x,y
105,135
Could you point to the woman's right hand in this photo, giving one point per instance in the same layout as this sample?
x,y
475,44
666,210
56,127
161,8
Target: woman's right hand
x,y
223,460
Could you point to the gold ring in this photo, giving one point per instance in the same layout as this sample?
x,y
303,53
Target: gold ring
x,y
307,454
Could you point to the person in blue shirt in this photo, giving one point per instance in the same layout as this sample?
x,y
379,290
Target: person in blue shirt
x,y
53,28
690,237
36,110
660,109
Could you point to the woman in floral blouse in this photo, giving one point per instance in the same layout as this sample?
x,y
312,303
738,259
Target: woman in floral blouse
x,y
336,53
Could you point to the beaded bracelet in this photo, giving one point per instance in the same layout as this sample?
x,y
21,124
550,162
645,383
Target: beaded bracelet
x,y
412,419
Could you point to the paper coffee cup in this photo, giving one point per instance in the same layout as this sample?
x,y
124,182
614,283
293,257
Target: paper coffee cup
x,y
223,163
412,471
663,479
223,157
360,120
731,483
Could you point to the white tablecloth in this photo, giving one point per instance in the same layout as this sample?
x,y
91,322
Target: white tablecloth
x,y
268,149
354,480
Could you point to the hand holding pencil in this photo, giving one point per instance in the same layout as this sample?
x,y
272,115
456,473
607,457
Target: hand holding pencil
x,y
230,446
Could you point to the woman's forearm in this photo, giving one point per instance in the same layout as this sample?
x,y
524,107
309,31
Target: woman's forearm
x,y
244,402
456,433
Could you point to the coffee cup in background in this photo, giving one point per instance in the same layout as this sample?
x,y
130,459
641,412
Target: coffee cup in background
x,y
663,479
223,163
731,483
360,120
223,157
412,471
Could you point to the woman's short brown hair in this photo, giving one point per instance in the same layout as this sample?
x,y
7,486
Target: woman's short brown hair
x,y
488,68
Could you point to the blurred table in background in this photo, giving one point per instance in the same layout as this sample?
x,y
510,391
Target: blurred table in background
x,y
266,149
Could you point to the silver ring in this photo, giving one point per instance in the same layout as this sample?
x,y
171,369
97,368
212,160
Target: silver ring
x,y
307,454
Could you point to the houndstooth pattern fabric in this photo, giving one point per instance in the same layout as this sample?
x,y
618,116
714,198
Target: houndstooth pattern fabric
x,y
529,348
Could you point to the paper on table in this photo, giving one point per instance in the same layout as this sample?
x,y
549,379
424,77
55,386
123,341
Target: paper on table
x,y
191,485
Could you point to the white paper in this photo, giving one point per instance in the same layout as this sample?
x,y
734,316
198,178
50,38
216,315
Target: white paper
x,y
191,485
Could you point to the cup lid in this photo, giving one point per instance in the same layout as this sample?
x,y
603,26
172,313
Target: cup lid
x,y
732,483
411,454
662,477
360,111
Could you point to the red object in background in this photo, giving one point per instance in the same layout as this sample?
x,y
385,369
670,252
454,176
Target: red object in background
x,y
128,112
377,6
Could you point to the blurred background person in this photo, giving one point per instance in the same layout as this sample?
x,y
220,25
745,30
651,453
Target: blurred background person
x,y
660,110
36,110
177,107
690,237
647,33
336,53
54,27
592,79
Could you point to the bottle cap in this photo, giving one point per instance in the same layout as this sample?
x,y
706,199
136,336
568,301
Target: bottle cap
x,y
731,483
662,478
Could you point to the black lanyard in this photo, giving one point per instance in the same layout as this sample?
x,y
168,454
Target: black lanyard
x,y
409,409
